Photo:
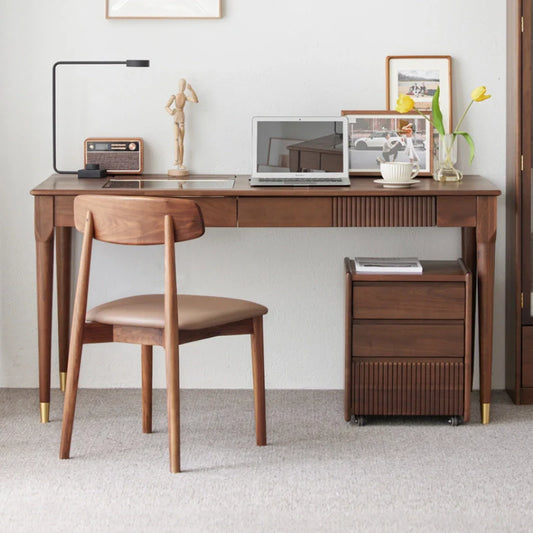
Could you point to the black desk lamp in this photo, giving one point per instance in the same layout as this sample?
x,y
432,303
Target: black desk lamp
x,y
90,170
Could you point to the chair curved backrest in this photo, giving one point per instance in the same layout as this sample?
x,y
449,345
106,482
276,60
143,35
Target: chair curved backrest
x,y
138,220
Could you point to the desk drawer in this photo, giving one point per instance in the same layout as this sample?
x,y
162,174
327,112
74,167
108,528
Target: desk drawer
x,y
399,300
217,211
385,338
276,212
384,211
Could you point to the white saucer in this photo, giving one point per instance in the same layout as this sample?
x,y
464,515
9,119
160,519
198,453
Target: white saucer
x,y
396,184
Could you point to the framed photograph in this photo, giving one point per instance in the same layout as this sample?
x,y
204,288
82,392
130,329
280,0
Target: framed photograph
x,y
419,77
376,136
164,9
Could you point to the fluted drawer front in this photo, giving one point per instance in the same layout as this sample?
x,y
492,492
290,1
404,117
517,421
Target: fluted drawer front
x,y
408,388
384,211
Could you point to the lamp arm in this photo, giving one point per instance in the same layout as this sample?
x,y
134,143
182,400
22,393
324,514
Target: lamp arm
x,y
54,119
128,63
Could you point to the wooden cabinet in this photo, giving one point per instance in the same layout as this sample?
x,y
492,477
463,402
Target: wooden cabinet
x,y
409,342
519,264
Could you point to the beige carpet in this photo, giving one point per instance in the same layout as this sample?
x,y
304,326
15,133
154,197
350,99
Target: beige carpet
x,y
317,473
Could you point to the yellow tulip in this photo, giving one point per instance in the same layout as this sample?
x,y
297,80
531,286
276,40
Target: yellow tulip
x,y
479,94
404,104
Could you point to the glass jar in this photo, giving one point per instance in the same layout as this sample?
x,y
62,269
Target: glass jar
x,y
447,158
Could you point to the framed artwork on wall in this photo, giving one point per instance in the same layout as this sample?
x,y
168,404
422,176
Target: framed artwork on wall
x,y
164,9
376,136
418,77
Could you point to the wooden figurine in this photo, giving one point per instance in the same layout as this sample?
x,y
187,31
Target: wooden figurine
x,y
179,100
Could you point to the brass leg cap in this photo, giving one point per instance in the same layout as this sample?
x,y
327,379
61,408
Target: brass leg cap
x,y
62,381
485,413
45,412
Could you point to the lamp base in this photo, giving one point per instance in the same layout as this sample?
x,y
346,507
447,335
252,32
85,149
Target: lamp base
x,y
92,170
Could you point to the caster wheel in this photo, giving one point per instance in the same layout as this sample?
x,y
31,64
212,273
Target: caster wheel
x,y
454,420
360,420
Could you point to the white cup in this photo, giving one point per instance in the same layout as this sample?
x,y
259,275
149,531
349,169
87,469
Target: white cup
x,y
398,171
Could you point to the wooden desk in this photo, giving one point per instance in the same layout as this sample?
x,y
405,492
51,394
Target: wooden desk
x,y
324,153
470,205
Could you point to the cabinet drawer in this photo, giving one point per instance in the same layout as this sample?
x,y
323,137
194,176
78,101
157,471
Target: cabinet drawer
x,y
408,339
398,300
435,387
527,356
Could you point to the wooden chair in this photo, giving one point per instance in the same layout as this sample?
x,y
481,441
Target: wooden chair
x,y
167,319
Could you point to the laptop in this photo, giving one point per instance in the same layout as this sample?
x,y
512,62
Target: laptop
x,y
300,151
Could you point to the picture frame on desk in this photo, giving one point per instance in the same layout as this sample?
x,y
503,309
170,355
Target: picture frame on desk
x,y
152,9
419,77
376,136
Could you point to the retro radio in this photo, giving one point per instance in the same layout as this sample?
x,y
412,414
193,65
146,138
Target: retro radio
x,y
116,156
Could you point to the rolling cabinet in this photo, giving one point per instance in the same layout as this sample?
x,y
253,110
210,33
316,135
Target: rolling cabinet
x,y
409,342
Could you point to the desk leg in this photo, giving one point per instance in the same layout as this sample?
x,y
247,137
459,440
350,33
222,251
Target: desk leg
x,y
468,238
486,244
63,260
44,241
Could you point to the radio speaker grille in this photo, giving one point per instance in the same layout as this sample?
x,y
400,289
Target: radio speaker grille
x,y
117,161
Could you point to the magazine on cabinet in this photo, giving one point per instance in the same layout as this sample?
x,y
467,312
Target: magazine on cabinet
x,y
391,265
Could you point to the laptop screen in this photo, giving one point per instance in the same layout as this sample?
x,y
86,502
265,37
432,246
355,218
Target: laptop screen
x,y
297,146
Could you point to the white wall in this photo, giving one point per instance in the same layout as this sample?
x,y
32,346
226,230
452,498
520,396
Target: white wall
x,y
303,57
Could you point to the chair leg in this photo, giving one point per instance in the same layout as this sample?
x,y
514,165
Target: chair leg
x,y
146,365
173,406
259,380
71,391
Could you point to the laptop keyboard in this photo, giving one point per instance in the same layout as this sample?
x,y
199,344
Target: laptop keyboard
x,y
299,181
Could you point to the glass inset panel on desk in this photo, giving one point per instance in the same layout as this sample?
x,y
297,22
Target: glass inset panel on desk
x,y
170,184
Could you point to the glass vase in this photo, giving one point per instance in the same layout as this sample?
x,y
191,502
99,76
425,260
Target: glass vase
x,y
447,158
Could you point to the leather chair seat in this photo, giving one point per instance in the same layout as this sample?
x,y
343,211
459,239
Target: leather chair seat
x,y
194,311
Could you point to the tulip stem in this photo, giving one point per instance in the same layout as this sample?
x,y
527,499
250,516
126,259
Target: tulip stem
x,y
463,116
425,116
